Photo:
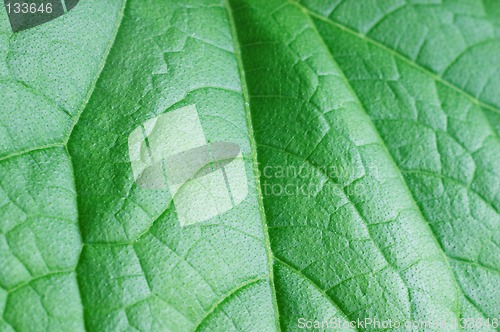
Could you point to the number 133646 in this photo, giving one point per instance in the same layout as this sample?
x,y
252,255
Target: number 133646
x,y
28,8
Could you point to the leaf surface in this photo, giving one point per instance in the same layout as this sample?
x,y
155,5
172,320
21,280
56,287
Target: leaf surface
x,y
371,155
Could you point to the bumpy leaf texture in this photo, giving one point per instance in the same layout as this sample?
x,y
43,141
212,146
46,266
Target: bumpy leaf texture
x,y
389,109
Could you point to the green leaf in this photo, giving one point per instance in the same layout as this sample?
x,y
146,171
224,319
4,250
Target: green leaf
x,y
369,131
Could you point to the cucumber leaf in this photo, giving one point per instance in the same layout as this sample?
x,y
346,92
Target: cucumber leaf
x,y
368,134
